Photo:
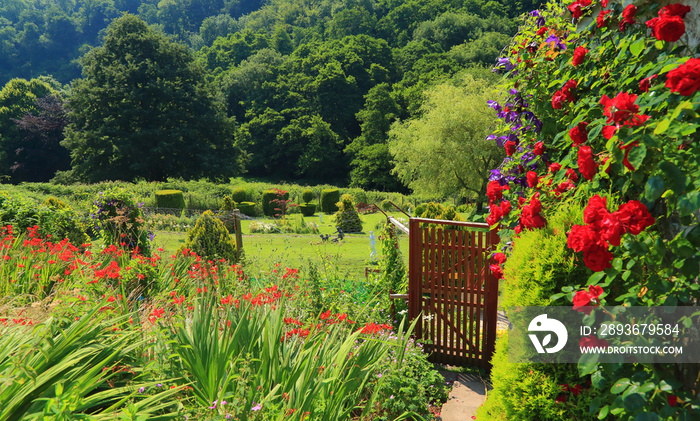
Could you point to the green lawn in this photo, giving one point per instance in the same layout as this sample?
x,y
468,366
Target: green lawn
x,y
344,259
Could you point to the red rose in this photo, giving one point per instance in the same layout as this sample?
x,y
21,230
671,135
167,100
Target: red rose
x,y
505,207
579,56
586,163
576,8
620,108
597,258
685,79
510,147
675,9
568,86
609,131
532,179
495,214
582,298
499,258
604,3
539,148
581,238
672,400
667,28
595,290
554,167
596,210
628,16
571,174
564,186
579,133
634,217
627,148
600,20
645,83
558,100
611,229
530,216
494,191
497,271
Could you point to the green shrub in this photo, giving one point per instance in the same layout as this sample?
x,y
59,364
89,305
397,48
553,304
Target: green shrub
x,y
173,199
120,221
247,208
347,219
55,203
228,204
387,206
329,200
535,392
420,209
270,207
307,196
308,209
434,210
210,239
541,263
239,194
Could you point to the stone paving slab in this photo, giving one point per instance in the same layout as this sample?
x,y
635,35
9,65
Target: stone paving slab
x,y
467,394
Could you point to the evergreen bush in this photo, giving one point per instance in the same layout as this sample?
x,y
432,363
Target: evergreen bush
x,y
170,199
247,208
240,194
347,219
308,209
226,213
307,196
210,239
329,200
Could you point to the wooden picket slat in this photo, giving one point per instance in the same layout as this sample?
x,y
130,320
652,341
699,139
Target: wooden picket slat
x,y
453,290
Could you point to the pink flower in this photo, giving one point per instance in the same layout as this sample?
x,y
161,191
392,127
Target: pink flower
x,y
257,407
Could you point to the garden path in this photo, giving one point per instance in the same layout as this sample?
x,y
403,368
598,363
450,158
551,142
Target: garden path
x,y
468,393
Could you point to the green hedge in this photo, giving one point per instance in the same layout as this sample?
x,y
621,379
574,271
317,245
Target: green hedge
x,y
170,199
307,209
247,208
239,194
329,200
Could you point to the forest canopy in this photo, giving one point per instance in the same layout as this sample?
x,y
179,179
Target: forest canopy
x,y
289,89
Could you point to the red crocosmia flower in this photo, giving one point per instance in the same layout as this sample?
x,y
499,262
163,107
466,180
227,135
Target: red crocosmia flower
x,y
672,400
510,147
326,314
494,191
667,28
532,179
554,167
634,217
496,271
628,16
586,164
685,79
600,20
645,83
619,109
538,149
372,328
675,9
579,56
499,258
579,133
597,258
543,30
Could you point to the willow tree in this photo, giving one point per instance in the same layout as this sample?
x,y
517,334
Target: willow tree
x,y
444,151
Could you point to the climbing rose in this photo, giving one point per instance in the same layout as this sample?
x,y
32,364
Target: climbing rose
x,y
494,191
530,216
685,79
581,238
597,258
628,16
579,56
600,20
558,100
576,7
532,179
505,207
645,83
667,28
499,258
675,9
611,229
620,108
596,210
510,147
539,148
579,133
571,174
609,131
495,214
634,217
554,167
586,163
497,271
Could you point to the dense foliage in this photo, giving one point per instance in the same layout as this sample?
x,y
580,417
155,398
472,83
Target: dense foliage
x,y
313,86
602,115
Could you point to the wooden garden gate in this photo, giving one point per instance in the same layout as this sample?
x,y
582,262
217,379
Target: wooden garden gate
x,y
452,290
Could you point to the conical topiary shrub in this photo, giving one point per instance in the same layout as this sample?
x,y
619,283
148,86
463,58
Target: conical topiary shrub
x,y
347,219
210,239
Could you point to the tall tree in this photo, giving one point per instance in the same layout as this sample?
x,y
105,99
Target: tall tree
x,y
444,150
145,110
